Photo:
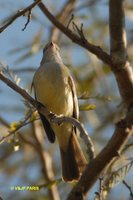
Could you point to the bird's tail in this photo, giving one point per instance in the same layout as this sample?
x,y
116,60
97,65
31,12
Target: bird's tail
x,y
73,160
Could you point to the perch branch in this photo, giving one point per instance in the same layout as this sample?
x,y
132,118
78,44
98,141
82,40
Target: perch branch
x,y
19,14
48,114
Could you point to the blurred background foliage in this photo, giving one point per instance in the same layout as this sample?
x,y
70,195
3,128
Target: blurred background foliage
x,y
99,98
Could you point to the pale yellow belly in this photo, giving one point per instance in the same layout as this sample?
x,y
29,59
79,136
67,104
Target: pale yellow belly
x,y
55,95
53,91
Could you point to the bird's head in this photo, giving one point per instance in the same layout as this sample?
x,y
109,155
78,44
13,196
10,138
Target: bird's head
x,y
51,52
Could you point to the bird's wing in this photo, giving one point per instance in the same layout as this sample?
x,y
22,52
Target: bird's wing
x,y
75,100
48,129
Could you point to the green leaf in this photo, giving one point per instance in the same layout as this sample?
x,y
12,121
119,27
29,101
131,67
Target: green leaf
x,y
86,107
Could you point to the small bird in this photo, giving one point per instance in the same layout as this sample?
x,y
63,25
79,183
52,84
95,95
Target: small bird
x,y
54,88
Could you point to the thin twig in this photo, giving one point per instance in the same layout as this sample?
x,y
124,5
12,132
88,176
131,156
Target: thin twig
x,y
99,194
70,20
79,31
19,126
7,125
128,187
28,19
4,122
24,70
83,133
18,14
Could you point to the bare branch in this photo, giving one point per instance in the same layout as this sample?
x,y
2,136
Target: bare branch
x,y
117,31
7,125
19,14
83,134
96,50
79,30
61,16
4,122
99,194
46,161
49,115
23,70
28,20
19,90
121,68
70,20
18,127
128,187
125,84
124,130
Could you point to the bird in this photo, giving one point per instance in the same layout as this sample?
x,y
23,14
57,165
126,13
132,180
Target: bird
x,y
55,89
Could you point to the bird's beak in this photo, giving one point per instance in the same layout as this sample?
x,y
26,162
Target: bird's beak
x,y
51,44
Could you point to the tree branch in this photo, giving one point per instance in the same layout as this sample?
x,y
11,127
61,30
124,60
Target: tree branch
x,y
46,161
96,50
122,69
117,30
61,16
124,76
49,115
118,59
4,122
123,131
19,14
16,129
83,134
129,188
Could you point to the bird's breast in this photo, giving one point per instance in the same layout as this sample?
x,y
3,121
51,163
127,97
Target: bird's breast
x,y
53,90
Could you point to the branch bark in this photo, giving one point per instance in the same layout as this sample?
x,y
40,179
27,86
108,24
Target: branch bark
x,y
61,16
18,14
124,76
123,131
80,40
122,69
83,133
46,161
